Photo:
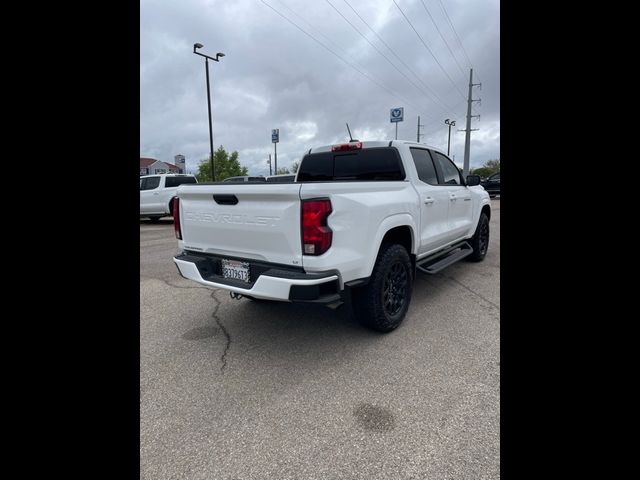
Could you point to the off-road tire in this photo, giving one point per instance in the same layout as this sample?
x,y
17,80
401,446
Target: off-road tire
x,y
480,240
383,303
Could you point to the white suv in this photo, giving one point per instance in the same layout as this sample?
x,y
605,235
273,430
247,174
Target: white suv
x,y
157,192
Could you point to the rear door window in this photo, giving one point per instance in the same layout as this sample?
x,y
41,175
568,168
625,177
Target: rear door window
x,y
149,183
424,165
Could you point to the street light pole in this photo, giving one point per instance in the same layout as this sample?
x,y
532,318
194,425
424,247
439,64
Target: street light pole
x,y
451,124
206,64
213,173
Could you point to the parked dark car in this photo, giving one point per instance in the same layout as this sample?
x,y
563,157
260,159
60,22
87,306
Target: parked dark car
x,y
492,184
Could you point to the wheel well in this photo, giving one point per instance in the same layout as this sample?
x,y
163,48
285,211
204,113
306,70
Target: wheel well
x,y
487,211
401,236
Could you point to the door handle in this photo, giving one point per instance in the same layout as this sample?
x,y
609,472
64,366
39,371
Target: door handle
x,y
156,193
429,200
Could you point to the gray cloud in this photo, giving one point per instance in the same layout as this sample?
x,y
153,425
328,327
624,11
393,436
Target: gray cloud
x,y
274,76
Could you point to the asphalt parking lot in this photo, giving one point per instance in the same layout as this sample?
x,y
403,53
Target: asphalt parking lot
x,y
235,389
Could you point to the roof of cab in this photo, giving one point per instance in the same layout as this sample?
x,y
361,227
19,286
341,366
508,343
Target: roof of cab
x,y
374,144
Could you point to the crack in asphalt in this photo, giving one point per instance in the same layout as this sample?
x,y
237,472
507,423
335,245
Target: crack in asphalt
x,y
223,357
455,280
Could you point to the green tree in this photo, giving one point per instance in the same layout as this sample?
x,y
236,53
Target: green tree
x,y
493,164
489,168
294,167
484,172
282,171
225,166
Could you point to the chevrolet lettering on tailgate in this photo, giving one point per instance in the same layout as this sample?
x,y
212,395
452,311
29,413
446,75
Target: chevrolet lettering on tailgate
x,y
231,218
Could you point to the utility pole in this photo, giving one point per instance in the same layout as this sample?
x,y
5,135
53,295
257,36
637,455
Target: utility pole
x,y
419,127
468,130
269,162
275,153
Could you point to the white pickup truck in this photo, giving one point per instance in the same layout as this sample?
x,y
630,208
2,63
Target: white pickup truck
x,y
157,192
363,216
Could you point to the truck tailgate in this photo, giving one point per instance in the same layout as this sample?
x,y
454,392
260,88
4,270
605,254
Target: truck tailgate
x,y
254,221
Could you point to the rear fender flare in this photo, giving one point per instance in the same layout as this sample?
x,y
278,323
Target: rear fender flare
x,y
393,221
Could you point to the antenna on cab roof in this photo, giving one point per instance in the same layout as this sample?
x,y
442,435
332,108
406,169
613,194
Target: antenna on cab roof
x,y
350,137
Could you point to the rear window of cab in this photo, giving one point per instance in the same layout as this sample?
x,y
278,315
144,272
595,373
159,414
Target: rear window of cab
x,y
369,164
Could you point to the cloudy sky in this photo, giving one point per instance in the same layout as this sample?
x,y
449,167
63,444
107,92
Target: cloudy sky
x,y
276,76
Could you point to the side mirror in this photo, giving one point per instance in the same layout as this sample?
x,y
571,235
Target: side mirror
x,y
473,180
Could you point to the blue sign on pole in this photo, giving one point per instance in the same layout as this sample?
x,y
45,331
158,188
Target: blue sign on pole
x,y
397,114
275,135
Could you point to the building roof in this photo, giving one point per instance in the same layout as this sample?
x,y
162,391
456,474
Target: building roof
x,y
147,162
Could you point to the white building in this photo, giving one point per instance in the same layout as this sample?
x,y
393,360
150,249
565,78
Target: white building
x,y
151,166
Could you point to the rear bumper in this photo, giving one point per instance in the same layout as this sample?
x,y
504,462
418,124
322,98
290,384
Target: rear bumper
x,y
269,282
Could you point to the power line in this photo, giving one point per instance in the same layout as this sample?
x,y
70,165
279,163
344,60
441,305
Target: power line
x,y
436,97
378,50
433,132
457,36
338,47
442,36
369,77
428,49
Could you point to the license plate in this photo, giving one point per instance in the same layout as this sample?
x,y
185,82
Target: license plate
x,y
235,270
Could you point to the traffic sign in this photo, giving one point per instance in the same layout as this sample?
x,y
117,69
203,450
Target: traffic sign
x,y
397,114
275,135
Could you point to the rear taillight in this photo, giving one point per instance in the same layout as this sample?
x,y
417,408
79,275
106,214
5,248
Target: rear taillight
x,y
316,235
176,218
346,147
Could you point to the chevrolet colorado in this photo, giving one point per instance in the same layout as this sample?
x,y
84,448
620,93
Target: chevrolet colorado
x,y
363,216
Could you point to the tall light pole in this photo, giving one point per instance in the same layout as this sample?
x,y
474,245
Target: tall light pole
x,y
451,124
206,63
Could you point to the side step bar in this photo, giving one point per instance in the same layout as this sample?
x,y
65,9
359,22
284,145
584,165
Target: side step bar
x,y
442,260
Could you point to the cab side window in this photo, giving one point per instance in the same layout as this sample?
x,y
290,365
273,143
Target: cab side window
x,y
149,183
424,165
449,173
